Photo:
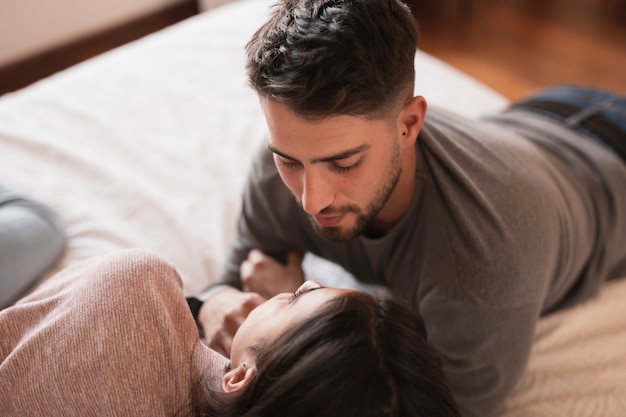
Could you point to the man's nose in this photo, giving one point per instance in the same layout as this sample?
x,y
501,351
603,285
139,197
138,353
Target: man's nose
x,y
317,193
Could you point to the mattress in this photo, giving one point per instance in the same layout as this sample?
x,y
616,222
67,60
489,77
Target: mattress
x,y
148,146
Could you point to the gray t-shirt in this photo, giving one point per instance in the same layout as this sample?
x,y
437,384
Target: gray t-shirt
x,y
513,217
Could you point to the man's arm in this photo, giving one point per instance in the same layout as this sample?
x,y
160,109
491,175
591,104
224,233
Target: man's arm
x,y
485,350
262,225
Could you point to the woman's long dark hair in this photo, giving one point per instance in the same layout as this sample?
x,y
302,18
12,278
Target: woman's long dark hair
x,y
360,356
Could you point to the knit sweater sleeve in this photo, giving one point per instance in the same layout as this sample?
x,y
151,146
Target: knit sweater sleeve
x,y
110,336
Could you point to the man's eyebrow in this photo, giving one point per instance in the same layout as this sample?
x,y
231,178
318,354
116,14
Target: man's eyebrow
x,y
277,152
336,157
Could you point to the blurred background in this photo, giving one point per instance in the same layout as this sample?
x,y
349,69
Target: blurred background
x,y
513,46
516,46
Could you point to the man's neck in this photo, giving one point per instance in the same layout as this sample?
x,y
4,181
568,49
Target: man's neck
x,y
399,201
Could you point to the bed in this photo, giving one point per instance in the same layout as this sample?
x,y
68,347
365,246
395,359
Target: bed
x,y
148,146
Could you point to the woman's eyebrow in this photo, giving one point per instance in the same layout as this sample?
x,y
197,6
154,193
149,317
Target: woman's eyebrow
x,y
331,158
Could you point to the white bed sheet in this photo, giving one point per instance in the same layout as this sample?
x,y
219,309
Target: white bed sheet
x,y
148,146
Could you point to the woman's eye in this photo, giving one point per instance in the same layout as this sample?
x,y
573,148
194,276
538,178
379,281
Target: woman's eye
x,y
295,295
309,286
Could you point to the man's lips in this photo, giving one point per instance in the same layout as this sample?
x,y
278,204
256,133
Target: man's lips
x,y
329,220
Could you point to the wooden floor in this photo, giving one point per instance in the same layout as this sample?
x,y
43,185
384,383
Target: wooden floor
x,y
515,46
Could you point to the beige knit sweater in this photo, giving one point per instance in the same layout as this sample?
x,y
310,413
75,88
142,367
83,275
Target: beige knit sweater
x,y
111,336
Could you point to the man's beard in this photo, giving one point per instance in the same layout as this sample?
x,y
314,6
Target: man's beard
x,y
363,218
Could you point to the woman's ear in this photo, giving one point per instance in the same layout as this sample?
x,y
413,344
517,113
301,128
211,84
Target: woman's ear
x,y
411,120
238,378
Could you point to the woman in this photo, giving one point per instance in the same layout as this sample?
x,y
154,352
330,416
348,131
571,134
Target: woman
x,y
31,239
114,336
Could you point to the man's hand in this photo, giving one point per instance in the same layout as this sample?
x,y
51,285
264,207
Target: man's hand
x,y
222,314
264,275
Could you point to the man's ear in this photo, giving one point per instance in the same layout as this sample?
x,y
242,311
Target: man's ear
x,y
238,378
411,119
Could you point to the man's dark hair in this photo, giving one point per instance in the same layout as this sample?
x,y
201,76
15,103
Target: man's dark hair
x,y
321,58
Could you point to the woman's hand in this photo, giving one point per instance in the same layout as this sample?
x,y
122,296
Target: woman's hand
x,y
264,275
222,314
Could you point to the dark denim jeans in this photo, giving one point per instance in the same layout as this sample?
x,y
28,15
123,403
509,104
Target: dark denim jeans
x,y
598,113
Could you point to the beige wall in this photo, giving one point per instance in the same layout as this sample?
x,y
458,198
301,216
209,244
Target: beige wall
x,y
28,27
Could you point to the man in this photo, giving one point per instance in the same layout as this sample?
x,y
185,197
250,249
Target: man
x,y
483,225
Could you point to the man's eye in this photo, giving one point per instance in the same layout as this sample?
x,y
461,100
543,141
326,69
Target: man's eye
x,y
288,164
344,169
